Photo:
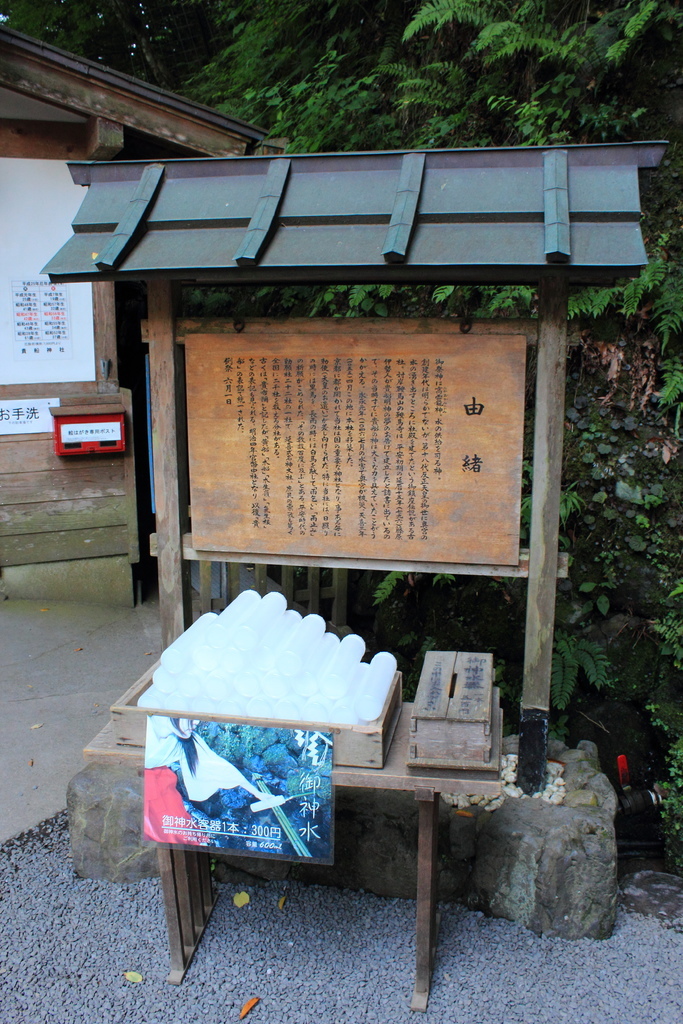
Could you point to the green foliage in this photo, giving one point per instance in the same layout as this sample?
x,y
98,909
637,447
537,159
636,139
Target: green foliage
x,y
559,728
672,810
571,503
670,629
385,588
671,392
659,288
571,654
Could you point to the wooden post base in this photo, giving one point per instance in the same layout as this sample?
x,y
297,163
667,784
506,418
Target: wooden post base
x,y
427,921
188,902
533,749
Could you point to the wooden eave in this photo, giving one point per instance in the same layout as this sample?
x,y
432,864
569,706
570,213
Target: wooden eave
x,y
508,215
81,86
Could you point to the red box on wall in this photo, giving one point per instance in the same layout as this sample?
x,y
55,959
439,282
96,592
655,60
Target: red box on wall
x,y
88,433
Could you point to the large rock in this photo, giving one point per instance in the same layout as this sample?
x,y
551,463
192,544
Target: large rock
x,y
104,802
552,868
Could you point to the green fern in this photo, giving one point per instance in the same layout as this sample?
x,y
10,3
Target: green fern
x,y
592,302
564,674
385,587
570,654
442,292
672,387
435,14
671,392
634,28
634,292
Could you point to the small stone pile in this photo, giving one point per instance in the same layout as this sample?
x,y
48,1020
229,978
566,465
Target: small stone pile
x,y
552,792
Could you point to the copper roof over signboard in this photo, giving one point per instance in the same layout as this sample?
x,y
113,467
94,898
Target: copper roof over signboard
x,y
497,215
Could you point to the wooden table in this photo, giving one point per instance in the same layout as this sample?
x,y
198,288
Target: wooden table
x,y
186,878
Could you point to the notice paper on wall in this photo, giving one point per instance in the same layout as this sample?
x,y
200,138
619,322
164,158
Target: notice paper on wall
x,y
46,328
42,327
26,415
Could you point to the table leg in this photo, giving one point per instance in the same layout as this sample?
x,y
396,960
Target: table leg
x,y
188,902
427,923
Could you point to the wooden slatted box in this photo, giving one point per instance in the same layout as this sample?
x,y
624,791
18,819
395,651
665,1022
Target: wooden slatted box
x,y
358,746
456,715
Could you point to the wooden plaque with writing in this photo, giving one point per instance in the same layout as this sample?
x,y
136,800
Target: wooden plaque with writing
x,y
394,445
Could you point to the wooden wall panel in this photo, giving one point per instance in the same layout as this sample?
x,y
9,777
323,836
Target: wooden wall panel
x,y
67,514
56,509
64,545
93,481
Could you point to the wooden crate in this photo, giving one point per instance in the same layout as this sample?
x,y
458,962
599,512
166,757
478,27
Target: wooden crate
x,y
361,746
456,714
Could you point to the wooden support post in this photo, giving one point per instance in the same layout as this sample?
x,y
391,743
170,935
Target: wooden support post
x,y
427,922
314,589
205,585
104,326
233,580
188,902
545,517
170,469
261,578
340,586
288,583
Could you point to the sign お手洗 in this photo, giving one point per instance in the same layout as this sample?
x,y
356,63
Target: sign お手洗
x,y
253,790
397,447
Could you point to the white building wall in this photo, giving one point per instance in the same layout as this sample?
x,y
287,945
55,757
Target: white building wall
x,y
46,332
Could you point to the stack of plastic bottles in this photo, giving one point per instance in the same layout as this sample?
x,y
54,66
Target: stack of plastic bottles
x,y
259,660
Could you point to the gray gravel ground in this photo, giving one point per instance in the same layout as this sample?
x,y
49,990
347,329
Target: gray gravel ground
x,y
328,957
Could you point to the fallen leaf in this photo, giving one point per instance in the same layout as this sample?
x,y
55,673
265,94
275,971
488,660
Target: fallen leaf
x,y
132,976
249,1005
147,652
465,814
78,648
240,899
281,902
44,609
38,726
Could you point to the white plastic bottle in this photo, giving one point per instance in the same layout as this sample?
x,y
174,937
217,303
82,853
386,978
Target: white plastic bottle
x,y
372,691
275,640
243,605
335,682
248,631
306,682
175,658
292,658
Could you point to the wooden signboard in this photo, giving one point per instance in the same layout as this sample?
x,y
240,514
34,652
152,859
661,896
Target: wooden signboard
x,y
398,447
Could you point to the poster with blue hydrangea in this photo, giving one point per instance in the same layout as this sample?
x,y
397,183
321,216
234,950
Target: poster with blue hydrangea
x,y
259,791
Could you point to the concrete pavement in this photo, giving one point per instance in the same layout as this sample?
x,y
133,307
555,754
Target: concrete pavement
x,y
61,667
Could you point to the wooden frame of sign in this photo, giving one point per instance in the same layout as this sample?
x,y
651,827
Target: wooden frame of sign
x,y
166,335
400,446
181,871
